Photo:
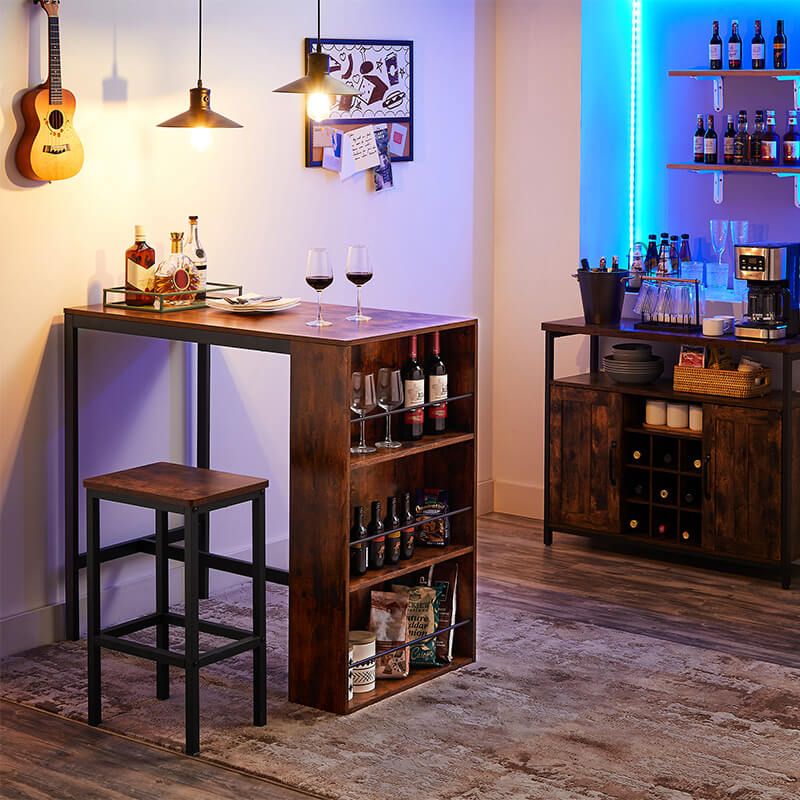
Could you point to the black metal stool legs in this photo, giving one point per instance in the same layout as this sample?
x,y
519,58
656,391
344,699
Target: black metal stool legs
x,y
93,604
259,611
162,603
191,568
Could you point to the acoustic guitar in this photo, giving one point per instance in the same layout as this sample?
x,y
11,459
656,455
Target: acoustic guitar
x,y
49,149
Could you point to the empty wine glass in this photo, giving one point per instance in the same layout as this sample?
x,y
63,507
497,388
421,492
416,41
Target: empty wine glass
x,y
319,276
740,234
390,397
359,271
719,237
362,401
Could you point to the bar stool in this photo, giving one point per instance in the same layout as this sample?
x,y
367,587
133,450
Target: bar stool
x,y
192,492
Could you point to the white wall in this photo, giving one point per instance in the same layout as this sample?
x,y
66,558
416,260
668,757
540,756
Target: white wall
x,y
260,210
536,229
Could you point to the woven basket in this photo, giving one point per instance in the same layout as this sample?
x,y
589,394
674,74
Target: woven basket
x,y
722,382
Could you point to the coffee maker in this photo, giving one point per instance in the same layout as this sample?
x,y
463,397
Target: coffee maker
x,y
772,272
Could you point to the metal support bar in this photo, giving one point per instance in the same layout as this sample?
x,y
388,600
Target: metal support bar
x,y
132,625
203,445
142,650
796,177
72,604
719,90
719,184
549,355
228,650
795,87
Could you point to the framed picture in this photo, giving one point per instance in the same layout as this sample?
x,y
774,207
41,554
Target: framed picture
x,y
383,73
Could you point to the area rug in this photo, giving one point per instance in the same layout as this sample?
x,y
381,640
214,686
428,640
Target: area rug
x,y
551,710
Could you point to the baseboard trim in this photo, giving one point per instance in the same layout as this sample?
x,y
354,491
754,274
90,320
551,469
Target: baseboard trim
x,y
485,497
519,499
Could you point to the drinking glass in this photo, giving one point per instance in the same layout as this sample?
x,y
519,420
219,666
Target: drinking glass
x,y
362,401
359,271
719,237
740,234
319,276
390,397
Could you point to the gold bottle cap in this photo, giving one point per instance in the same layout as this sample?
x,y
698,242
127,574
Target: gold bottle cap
x,y
697,463
634,523
176,236
685,535
138,233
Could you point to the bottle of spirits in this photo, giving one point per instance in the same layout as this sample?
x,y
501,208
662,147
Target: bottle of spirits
x,y
710,143
358,554
730,135
686,251
779,47
755,139
407,534
414,392
770,142
715,49
757,52
176,275
437,389
139,272
741,142
651,257
791,142
664,265
699,136
391,523
674,256
377,547
735,47
197,253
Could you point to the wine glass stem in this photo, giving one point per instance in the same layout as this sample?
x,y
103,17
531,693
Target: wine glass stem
x,y
388,418
358,296
319,306
362,443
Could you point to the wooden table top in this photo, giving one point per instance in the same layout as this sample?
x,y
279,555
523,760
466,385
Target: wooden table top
x,y
288,325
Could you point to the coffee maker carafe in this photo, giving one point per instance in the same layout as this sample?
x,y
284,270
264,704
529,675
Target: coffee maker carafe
x,y
772,272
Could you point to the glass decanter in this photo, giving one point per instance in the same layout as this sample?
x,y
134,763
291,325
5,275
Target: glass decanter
x,y
177,273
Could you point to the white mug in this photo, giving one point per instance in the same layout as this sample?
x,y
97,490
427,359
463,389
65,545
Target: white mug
x,y
696,418
655,412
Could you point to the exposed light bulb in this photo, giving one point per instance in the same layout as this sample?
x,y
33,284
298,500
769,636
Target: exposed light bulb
x,y
201,139
318,106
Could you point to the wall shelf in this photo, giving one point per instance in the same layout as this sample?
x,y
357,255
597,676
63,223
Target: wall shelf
x,y
718,77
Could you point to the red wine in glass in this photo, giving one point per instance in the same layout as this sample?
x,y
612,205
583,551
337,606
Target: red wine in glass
x,y
358,278
319,282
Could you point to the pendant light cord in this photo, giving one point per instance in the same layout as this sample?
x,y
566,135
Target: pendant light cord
x,y
200,43
319,27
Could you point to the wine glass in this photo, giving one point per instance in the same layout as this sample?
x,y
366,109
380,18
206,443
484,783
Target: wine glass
x,y
719,237
319,276
359,271
362,401
390,397
740,234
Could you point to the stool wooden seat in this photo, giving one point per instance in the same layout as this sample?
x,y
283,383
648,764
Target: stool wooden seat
x,y
192,492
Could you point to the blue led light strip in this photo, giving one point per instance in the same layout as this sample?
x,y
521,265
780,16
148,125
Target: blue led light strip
x,y
635,55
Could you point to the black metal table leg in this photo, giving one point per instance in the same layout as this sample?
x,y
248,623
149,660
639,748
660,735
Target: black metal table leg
x,y
192,647
162,602
786,471
594,353
71,600
203,445
259,611
93,605
549,355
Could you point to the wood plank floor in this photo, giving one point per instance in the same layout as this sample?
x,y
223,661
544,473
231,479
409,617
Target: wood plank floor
x,y
740,613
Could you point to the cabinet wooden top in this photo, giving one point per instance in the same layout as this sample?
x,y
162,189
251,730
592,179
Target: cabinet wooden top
x,y
625,330
288,325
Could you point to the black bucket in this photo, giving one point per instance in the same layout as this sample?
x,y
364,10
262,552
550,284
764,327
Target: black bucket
x,y
602,294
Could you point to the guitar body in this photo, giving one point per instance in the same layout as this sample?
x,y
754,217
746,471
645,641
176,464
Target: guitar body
x,y
49,149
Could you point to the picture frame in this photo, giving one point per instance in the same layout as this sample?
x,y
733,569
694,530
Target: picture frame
x,y
385,70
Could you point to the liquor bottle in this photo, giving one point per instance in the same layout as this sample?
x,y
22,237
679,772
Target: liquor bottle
x,y
377,547
674,256
699,136
663,529
651,257
437,389
664,265
391,523
176,275
730,135
407,534
686,251
637,455
710,143
139,273
358,554
755,139
197,253
757,53
770,142
779,47
715,49
791,142
735,47
741,142
690,533
414,392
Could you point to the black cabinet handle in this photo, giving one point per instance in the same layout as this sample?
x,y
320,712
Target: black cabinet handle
x,y
706,462
611,453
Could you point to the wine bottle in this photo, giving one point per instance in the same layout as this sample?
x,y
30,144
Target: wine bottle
x,y
633,523
197,254
757,54
699,140
686,250
437,389
728,145
689,498
755,139
358,554
637,454
139,273
715,49
770,141
377,547
735,47
779,47
392,522
741,142
651,257
697,464
674,256
791,142
414,392
710,143
407,534
639,490
664,493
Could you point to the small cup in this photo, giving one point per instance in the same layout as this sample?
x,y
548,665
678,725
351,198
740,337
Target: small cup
x,y
363,644
655,412
677,415
713,327
727,321
696,418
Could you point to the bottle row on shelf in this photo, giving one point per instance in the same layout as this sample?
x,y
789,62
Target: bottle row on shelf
x,y
664,524
758,47
666,453
763,146
666,488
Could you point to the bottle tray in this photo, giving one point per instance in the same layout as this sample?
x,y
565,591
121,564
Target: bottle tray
x,y
161,299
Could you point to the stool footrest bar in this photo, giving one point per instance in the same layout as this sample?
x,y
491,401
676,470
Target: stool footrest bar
x,y
228,650
131,626
142,650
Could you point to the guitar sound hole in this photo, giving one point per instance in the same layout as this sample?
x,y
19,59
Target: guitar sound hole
x,y
56,119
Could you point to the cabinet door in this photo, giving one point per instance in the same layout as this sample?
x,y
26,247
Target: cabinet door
x,y
585,469
742,507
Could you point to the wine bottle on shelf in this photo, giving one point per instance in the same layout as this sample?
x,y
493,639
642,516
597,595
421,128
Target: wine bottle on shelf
x,y
741,142
436,373
414,393
359,553
755,139
715,48
407,534
674,256
757,53
651,257
735,47
634,523
639,490
665,494
791,142
664,265
392,522
686,250
197,255
728,144
377,547
689,531
770,142
710,143
689,498
779,47
140,259
699,140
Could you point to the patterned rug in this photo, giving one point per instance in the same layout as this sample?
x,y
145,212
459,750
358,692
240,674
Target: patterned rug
x,y
552,710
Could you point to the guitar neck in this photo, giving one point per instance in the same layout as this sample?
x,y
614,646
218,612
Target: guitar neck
x,y
54,79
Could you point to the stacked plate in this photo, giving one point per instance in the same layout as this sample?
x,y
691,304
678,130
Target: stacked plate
x,y
633,363
253,304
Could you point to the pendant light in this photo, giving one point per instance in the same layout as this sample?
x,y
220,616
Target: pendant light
x,y
200,117
316,84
